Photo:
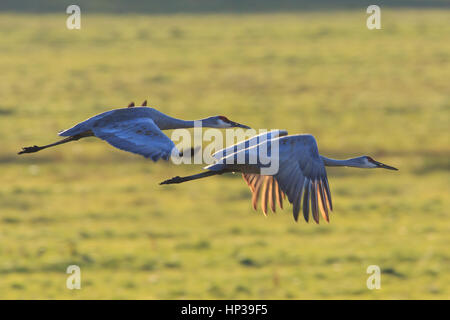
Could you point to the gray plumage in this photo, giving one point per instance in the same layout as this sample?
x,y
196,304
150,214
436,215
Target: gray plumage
x,y
135,129
301,175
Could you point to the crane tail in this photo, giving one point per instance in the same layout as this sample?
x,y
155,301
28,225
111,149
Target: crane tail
x,y
201,175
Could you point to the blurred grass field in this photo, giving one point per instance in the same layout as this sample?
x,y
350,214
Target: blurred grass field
x,y
384,93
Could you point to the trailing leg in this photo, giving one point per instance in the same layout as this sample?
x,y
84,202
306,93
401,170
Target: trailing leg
x,y
68,139
201,175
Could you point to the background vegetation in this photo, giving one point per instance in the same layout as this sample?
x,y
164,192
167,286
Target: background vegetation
x,y
384,93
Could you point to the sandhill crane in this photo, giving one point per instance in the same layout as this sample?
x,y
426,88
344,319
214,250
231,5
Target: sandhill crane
x,y
301,173
135,129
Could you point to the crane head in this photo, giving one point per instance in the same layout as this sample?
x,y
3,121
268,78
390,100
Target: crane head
x,y
371,163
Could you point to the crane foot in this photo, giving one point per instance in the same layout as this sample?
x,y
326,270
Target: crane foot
x,y
176,179
30,149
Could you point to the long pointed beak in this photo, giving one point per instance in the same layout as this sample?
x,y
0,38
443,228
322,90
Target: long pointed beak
x,y
238,125
385,166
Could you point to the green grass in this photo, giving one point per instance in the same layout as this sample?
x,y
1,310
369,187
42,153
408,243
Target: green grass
x,y
382,93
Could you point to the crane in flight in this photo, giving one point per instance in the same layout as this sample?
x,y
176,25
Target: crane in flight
x,y
301,172
136,129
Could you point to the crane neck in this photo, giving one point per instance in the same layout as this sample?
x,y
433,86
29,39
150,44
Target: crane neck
x,y
174,123
353,162
165,122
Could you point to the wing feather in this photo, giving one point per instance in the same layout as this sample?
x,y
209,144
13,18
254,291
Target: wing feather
x,y
328,193
306,200
313,192
323,203
260,185
298,198
279,194
255,195
271,183
265,193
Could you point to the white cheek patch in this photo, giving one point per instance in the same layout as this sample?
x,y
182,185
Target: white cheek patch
x,y
370,164
224,124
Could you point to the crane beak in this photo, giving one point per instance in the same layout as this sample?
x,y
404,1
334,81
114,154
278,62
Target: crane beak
x,y
238,125
385,166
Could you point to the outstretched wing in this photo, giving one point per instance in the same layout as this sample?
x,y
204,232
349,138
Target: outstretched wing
x,y
266,186
302,176
140,135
